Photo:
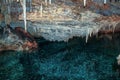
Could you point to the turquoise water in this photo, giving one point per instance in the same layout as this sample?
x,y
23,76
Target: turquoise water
x,y
73,60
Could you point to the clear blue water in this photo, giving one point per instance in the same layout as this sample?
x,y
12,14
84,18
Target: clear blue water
x,y
73,60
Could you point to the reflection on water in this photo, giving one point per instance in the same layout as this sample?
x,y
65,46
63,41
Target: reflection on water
x,y
73,60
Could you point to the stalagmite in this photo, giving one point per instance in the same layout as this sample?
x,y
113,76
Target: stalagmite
x,y
84,3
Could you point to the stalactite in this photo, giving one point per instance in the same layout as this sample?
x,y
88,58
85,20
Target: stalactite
x,y
31,6
84,3
105,1
46,2
41,10
17,0
8,8
24,13
87,35
50,2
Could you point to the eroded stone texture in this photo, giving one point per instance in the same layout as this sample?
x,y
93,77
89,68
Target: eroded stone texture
x,y
16,39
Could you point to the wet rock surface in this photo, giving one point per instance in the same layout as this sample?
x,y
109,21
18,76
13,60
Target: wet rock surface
x,y
16,39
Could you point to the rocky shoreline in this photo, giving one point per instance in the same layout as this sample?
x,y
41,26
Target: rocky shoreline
x,y
16,39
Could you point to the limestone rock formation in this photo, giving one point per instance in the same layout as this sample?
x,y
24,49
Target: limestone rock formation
x,y
16,39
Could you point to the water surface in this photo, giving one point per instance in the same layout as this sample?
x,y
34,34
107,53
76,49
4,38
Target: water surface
x,y
73,60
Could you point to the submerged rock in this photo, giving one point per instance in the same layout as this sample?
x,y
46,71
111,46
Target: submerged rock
x,y
16,39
